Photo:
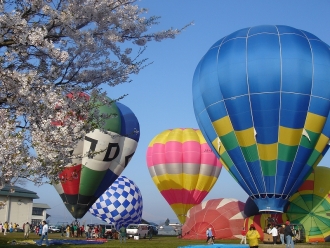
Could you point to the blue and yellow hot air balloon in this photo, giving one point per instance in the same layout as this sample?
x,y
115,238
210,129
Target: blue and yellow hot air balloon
x,y
261,97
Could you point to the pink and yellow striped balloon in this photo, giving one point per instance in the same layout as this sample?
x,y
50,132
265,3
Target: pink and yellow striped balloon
x,y
183,167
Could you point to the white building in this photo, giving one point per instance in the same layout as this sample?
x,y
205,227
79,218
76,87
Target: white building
x,y
16,206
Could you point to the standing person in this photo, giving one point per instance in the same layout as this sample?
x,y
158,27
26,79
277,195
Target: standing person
x,y
243,233
150,232
101,234
209,236
288,234
40,229
62,230
1,226
274,232
281,232
252,236
26,230
44,234
67,230
122,233
5,226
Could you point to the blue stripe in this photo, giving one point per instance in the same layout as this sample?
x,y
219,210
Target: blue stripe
x,y
265,76
239,112
319,106
294,110
321,87
129,124
232,69
296,64
265,109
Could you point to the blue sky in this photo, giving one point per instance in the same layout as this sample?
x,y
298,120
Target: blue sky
x,y
161,97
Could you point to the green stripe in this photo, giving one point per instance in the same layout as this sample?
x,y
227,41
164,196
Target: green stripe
x,y
113,123
286,153
310,144
87,176
250,153
268,167
225,157
229,141
313,158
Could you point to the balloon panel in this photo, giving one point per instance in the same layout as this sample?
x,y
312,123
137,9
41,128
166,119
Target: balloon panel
x,y
120,204
224,216
310,206
259,102
183,167
111,153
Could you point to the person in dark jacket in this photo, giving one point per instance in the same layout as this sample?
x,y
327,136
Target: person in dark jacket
x,y
288,234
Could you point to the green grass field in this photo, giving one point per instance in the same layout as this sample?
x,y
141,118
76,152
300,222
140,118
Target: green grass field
x,y
156,242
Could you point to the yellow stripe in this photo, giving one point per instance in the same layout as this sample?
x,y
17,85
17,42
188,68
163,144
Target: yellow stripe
x,y
205,183
201,138
160,138
321,143
224,164
314,122
290,136
246,137
223,126
268,152
184,181
181,210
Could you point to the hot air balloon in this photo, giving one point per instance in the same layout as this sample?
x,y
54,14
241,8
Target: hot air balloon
x,y
310,206
84,181
183,167
224,216
261,98
120,204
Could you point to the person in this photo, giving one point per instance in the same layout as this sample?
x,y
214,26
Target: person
x,y
209,236
26,230
67,230
101,231
252,236
40,229
243,233
288,234
5,228
274,232
1,227
44,234
62,230
75,230
86,231
281,232
122,233
150,230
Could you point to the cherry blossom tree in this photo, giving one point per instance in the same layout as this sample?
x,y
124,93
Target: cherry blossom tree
x,y
48,49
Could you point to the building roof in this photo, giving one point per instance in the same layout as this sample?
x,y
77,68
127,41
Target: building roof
x,y
18,192
41,205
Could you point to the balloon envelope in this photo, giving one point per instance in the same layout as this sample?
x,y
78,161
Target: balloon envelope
x,y
183,167
121,204
224,216
82,183
261,98
310,206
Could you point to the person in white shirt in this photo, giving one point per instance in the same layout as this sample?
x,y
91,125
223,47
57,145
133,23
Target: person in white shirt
x,y
44,234
274,233
209,236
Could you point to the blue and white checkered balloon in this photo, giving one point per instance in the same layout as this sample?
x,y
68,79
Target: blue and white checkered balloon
x,y
120,204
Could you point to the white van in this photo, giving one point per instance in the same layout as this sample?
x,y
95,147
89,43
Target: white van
x,y
137,230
